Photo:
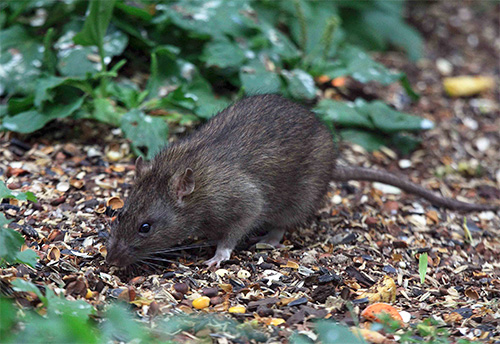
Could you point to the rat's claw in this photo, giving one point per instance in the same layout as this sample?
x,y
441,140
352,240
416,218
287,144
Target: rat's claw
x,y
220,256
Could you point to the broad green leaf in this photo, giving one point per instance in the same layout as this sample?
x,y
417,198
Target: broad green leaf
x,y
209,18
396,31
256,79
169,67
145,132
114,43
28,257
16,105
135,10
44,89
20,61
120,326
368,140
30,121
363,68
422,266
280,43
223,54
405,142
21,285
128,93
22,196
105,112
207,104
331,332
76,62
96,23
10,241
300,84
9,320
342,113
388,120
58,305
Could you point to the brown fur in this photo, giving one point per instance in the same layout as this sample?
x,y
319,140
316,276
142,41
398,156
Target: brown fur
x,y
264,162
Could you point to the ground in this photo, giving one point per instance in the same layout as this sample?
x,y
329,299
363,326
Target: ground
x,y
362,235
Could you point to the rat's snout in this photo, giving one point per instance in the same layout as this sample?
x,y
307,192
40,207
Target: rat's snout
x,y
119,253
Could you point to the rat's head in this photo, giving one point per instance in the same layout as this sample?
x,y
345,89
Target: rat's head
x,y
153,217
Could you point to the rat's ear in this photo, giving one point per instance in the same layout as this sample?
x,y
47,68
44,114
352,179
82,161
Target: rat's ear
x,y
141,167
184,184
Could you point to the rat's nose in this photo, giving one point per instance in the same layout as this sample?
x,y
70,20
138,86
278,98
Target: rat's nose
x,y
118,253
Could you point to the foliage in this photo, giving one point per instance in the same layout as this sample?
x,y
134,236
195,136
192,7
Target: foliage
x,y
10,240
422,266
84,59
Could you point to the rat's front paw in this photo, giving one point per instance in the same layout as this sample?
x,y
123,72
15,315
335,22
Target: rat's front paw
x,y
220,256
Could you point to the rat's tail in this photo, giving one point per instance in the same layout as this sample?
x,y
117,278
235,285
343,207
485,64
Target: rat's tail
x,y
346,173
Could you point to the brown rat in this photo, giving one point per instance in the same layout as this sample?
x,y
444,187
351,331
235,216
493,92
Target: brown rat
x,y
264,162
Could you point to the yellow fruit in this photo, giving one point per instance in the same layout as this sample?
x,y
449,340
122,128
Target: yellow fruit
x,y
277,321
201,302
237,309
464,86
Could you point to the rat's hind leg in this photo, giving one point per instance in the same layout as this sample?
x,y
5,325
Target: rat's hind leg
x,y
274,237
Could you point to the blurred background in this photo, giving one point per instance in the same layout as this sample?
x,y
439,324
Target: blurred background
x,y
155,68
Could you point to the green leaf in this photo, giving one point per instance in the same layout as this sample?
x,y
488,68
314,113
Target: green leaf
x,y
422,266
396,31
368,140
223,54
22,196
256,79
105,112
128,93
21,64
120,326
96,23
17,105
342,113
300,84
330,332
134,10
10,244
30,121
60,306
75,62
44,88
8,313
156,75
145,132
49,57
404,142
10,241
209,19
388,120
363,68
28,257
21,285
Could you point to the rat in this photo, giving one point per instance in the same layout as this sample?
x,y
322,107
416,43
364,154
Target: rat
x,y
263,163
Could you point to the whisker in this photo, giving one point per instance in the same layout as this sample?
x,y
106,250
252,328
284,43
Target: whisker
x,y
160,259
187,247
151,264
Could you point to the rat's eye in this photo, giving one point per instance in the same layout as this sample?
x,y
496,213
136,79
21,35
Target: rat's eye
x,y
145,228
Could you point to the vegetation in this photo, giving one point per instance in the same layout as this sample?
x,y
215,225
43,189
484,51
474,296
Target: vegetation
x,y
140,67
